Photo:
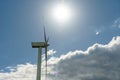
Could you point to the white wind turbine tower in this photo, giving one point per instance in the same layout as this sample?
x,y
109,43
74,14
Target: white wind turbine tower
x,y
41,45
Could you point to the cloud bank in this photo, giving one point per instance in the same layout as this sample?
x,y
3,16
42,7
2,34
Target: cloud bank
x,y
98,62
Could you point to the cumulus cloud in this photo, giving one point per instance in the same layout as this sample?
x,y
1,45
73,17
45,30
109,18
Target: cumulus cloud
x,y
51,52
19,72
98,62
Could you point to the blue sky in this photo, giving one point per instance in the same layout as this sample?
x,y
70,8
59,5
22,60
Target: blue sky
x,y
21,22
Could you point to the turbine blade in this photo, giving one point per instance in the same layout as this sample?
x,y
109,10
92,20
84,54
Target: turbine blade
x,y
47,39
44,34
46,60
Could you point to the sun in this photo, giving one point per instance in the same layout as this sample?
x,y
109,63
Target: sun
x,y
61,13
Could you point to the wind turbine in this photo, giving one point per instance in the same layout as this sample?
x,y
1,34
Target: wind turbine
x,y
41,45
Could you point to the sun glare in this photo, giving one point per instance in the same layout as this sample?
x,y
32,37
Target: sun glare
x,y
61,13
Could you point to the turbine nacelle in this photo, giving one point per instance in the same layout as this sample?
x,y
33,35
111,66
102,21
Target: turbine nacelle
x,y
39,44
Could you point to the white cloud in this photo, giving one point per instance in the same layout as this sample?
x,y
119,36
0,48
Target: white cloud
x,y
20,72
51,52
98,62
